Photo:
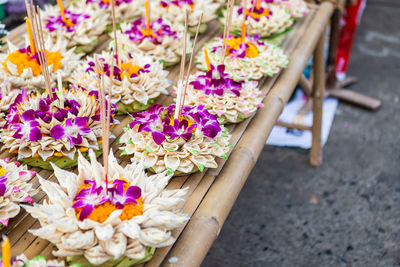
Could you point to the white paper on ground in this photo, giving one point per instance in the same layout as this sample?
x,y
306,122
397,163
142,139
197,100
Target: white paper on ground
x,y
281,136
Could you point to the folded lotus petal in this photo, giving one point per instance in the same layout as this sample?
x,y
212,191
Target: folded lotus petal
x,y
104,232
97,255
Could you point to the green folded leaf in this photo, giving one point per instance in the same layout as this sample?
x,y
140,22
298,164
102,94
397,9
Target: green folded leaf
x,y
200,166
130,142
170,171
194,151
224,156
168,149
123,153
230,145
215,143
148,149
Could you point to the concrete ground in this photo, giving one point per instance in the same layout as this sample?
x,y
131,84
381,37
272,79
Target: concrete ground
x,y
346,212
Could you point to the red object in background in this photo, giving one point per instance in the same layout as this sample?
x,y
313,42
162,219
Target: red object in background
x,y
349,22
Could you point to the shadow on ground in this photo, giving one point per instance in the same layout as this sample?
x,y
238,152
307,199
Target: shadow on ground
x,y
346,212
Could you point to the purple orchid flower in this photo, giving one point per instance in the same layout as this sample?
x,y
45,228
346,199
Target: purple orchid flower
x,y
178,3
120,197
216,81
137,32
73,130
105,5
180,128
88,198
57,23
28,127
3,186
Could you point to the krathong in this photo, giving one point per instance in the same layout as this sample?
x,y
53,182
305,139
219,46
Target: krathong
x,y
173,10
14,189
120,225
250,58
180,145
125,10
262,19
297,8
160,40
43,127
81,27
136,82
229,100
21,66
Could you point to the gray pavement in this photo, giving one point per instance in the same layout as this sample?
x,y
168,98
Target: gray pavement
x,y
346,212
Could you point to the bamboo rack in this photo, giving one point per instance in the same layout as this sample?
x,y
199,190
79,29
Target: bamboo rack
x,y
212,193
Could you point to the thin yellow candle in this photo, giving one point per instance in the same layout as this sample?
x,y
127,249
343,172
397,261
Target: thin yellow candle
x,y
146,6
207,59
31,42
6,252
243,30
258,4
59,2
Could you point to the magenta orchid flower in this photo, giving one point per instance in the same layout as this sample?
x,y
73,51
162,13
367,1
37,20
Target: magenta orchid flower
x,y
72,130
88,198
105,5
137,32
120,196
117,71
255,10
3,186
178,3
158,121
28,127
216,81
57,23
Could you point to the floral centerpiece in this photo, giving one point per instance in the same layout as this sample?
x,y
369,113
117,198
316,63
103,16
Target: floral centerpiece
x,y
173,10
121,222
21,66
79,25
262,19
14,189
297,8
125,10
159,40
231,101
43,127
246,58
181,146
137,81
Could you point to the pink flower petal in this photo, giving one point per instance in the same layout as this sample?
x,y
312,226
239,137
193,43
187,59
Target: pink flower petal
x,y
28,199
15,189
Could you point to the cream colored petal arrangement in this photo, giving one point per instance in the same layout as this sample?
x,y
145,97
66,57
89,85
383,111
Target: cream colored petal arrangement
x,y
14,189
174,11
7,98
163,43
125,10
251,59
43,127
20,66
136,84
118,224
230,101
82,29
297,8
270,19
182,146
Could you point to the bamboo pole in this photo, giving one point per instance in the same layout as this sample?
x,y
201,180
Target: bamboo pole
x,y
206,223
318,101
293,126
305,85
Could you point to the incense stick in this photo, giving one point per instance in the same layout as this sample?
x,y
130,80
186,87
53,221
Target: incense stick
x,y
115,31
182,70
231,4
244,21
190,63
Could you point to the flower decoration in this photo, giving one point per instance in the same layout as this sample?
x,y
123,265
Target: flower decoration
x,y
81,28
296,8
181,146
14,189
229,100
21,68
173,10
136,82
249,59
37,261
7,98
43,128
123,225
125,10
163,41
266,20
